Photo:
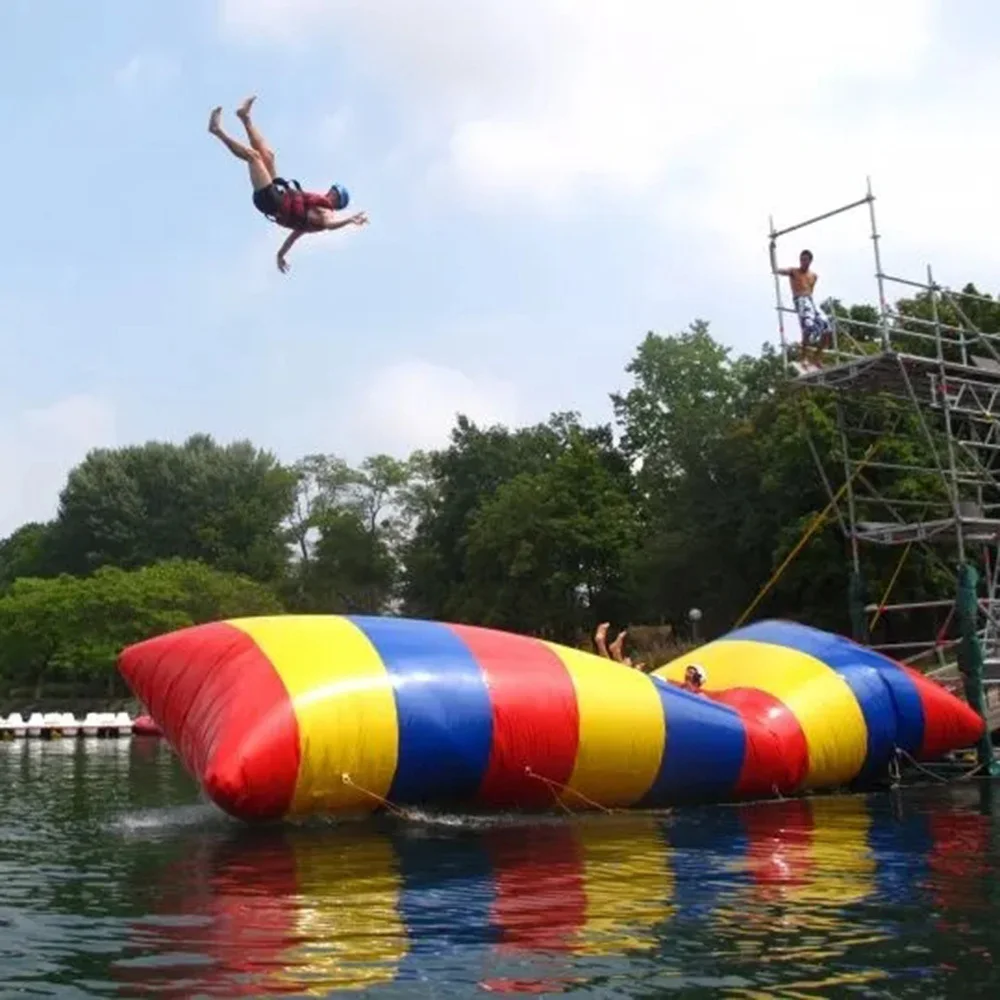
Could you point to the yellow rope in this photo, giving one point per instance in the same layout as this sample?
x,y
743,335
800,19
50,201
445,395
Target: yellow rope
x,y
395,810
816,524
558,787
888,589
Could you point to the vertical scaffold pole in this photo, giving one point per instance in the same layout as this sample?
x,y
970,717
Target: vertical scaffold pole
x,y
856,583
949,436
970,658
779,305
879,275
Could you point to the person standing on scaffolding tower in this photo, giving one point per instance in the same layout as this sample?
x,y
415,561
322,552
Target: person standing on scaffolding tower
x,y
814,325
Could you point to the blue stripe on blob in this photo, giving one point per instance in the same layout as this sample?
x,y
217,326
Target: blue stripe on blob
x,y
704,752
889,701
443,707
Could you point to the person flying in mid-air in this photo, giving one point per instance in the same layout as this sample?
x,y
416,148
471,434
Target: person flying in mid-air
x,y
283,202
814,325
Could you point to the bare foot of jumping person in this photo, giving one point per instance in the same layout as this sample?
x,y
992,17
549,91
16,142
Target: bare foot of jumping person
x,y
213,122
243,111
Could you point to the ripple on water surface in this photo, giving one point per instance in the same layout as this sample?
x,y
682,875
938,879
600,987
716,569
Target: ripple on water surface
x,y
118,880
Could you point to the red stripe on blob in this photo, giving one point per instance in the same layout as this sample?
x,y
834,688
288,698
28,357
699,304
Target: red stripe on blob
x,y
777,754
536,722
949,722
226,712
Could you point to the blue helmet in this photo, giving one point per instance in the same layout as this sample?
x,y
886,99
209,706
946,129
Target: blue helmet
x,y
340,192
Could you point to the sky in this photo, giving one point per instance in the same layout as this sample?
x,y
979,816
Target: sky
x,y
547,180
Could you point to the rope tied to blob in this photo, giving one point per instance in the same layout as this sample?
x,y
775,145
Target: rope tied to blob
x,y
559,788
395,810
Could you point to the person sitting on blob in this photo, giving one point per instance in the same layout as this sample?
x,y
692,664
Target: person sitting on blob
x,y
283,202
694,676
694,679
813,324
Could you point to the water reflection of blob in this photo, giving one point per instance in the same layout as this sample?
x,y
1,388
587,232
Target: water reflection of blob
x,y
540,901
348,912
224,918
959,862
520,905
809,862
708,848
594,886
446,896
900,842
305,913
628,884
779,835
842,867
810,857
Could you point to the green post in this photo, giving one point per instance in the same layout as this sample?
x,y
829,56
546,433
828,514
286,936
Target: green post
x,y
856,605
970,655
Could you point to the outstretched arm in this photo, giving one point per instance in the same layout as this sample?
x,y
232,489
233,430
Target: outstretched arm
x,y
358,219
285,247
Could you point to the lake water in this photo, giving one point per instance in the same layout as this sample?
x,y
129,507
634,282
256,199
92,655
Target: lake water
x,y
116,880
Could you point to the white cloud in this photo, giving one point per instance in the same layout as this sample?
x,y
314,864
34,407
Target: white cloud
x,y
145,72
547,97
38,447
702,117
413,404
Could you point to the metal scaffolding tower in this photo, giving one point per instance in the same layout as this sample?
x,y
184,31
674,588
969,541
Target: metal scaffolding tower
x,y
916,393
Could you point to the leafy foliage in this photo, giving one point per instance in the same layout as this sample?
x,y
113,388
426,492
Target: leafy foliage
x,y
71,628
134,506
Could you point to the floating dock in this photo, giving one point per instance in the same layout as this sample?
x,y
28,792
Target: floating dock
x,y
55,725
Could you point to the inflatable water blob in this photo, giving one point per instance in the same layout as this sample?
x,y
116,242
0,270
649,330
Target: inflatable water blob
x,y
291,715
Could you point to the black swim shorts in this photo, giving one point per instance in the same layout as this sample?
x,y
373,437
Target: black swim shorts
x,y
268,199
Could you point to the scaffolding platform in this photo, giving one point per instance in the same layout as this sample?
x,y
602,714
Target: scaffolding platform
x,y
915,391
978,530
974,389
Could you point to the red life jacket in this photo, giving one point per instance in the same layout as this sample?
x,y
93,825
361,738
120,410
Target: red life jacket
x,y
294,205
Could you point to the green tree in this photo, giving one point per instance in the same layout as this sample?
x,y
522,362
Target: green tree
x,y
547,553
348,528
25,552
454,551
72,628
352,570
322,483
134,506
729,484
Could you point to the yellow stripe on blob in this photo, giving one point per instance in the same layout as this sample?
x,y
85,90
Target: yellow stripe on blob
x,y
342,697
622,731
818,697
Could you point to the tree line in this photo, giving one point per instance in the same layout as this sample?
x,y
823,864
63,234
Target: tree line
x,y
691,496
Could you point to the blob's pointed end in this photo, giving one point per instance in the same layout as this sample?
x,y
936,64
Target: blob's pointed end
x,y
949,722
